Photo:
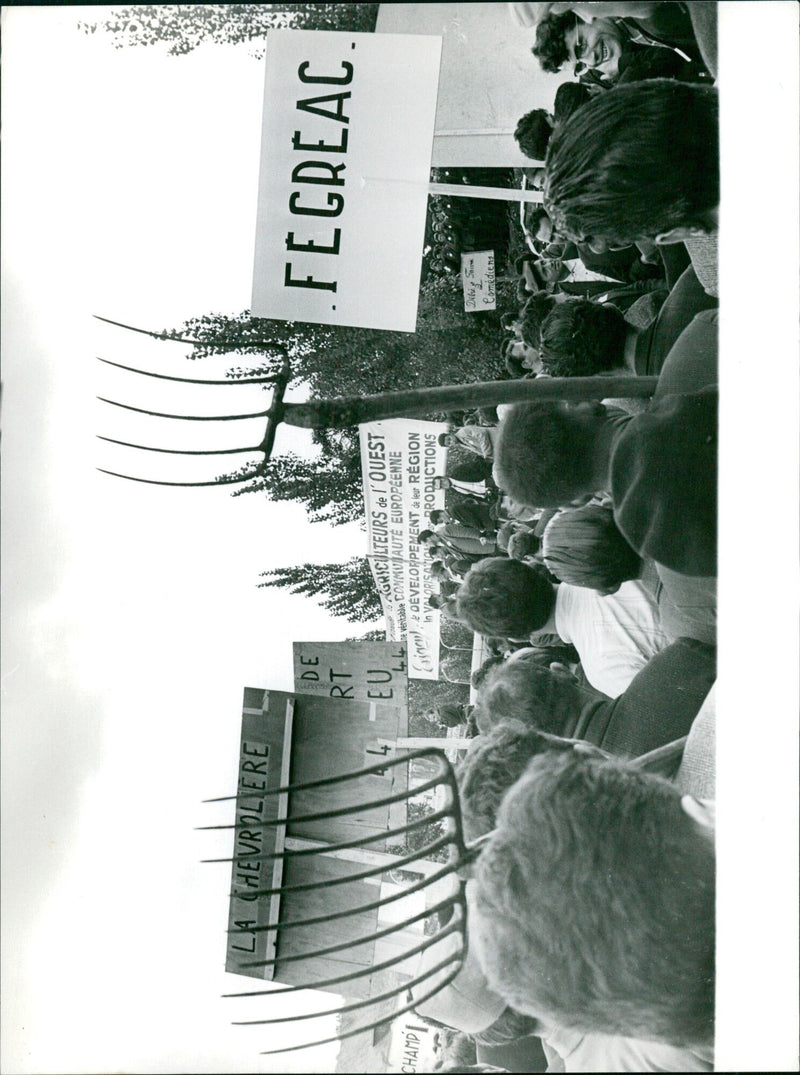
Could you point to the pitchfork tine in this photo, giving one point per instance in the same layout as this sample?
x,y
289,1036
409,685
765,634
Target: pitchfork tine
x,y
375,1023
339,979
361,1003
341,811
446,871
185,417
224,480
315,953
423,752
345,845
178,451
443,841
265,379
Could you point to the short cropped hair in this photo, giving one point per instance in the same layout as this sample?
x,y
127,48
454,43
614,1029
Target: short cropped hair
x,y
533,133
492,765
534,312
579,338
525,690
635,162
595,902
550,48
505,597
544,455
585,547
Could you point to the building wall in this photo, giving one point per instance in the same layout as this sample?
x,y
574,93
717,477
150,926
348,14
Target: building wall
x,y
488,79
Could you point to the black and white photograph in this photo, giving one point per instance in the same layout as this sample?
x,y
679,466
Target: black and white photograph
x,y
400,477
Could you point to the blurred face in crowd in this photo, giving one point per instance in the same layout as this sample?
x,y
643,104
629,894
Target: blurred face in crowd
x,y
528,356
595,46
553,271
544,230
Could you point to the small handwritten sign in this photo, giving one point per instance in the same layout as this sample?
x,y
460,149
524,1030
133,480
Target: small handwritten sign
x,y
477,279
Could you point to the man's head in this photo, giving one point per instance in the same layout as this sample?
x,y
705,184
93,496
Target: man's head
x,y
595,902
505,597
479,675
533,133
548,271
534,312
540,225
549,454
567,40
449,715
569,98
437,516
519,352
427,537
493,764
447,440
585,547
639,163
579,338
524,689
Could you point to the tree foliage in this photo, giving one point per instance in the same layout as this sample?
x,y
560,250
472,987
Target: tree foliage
x,y
182,27
346,589
377,634
328,485
424,836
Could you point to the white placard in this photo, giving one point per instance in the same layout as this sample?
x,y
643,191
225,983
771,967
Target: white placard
x,y
343,187
478,281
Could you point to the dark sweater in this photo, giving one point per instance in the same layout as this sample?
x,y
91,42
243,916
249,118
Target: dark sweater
x,y
658,707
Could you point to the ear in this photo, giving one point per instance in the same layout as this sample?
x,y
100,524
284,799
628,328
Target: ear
x,y
681,234
701,811
560,669
589,407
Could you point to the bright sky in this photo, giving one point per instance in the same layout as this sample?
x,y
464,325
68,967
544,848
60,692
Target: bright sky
x,y
131,616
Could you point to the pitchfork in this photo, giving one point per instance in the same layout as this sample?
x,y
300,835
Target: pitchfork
x,y
460,857
353,410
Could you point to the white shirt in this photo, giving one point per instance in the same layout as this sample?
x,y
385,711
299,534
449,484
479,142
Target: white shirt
x,y
607,1052
615,635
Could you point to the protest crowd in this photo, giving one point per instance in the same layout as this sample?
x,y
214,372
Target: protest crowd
x,y
580,541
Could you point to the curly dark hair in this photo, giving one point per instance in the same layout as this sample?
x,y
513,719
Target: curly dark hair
x,y
533,133
551,46
505,597
581,338
534,313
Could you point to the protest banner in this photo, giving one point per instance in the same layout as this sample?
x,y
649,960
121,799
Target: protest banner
x,y
399,460
374,672
343,185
